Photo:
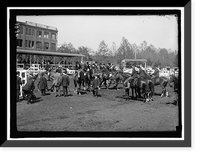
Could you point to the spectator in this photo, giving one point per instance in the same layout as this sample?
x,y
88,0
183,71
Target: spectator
x,y
19,83
42,84
65,83
56,82
95,85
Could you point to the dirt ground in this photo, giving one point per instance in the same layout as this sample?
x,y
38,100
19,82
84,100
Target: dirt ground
x,y
109,112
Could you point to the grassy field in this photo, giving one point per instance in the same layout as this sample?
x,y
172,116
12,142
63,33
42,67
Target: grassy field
x,y
109,112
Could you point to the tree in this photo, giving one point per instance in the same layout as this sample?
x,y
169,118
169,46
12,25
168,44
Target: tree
x,y
175,61
113,49
102,52
144,45
125,49
85,51
103,49
67,48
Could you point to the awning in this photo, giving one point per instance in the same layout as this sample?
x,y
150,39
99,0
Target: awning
x,y
48,53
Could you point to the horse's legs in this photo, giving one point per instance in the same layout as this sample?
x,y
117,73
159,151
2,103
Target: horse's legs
x,y
127,92
132,89
75,86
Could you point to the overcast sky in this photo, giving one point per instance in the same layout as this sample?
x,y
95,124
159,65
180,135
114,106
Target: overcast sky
x,y
160,31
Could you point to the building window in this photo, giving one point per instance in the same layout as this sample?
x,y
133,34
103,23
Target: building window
x,y
26,31
30,31
46,34
33,32
29,44
38,45
46,45
53,46
53,36
20,30
32,44
39,33
19,42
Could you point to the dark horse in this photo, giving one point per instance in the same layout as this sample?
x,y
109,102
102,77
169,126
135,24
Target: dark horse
x,y
173,82
88,78
139,86
78,78
105,76
162,81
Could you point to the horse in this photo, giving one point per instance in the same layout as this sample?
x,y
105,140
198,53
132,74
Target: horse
x,y
105,76
78,79
149,90
88,78
162,81
173,82
140,86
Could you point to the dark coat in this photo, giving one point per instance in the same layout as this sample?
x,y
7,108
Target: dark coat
x,y
95,83
19,82
65,80
133,71
142,73
42,83
156,73
29,86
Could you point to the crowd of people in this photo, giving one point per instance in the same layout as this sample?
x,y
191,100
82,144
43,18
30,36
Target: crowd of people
x,y
61,79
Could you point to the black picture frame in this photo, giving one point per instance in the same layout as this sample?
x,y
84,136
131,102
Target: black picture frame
x,y
186,143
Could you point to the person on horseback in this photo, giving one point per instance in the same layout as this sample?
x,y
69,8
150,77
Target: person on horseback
x,y
133,77
155,74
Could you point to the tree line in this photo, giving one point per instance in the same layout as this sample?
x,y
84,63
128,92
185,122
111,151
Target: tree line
x,y
160,56
105,54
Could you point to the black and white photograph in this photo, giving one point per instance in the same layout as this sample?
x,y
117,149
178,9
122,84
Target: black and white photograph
x,y
102,74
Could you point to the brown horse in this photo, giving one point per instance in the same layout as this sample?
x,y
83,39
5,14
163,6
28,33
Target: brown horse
x,y
162,81
173,82
78,81
138,86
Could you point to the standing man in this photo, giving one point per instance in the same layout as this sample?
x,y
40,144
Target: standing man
x,y
19,83
65,83
28,88
56,82
42,84
95,85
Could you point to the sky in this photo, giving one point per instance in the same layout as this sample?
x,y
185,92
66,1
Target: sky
x,y
90,30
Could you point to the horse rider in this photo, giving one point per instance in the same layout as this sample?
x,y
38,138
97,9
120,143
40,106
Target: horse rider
x,y
132,77
155,74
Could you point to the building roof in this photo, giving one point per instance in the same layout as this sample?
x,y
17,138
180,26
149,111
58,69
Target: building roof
x,y
49,53
142,60
33,24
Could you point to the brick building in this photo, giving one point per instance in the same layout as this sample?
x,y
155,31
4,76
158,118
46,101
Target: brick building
x,y
34,36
